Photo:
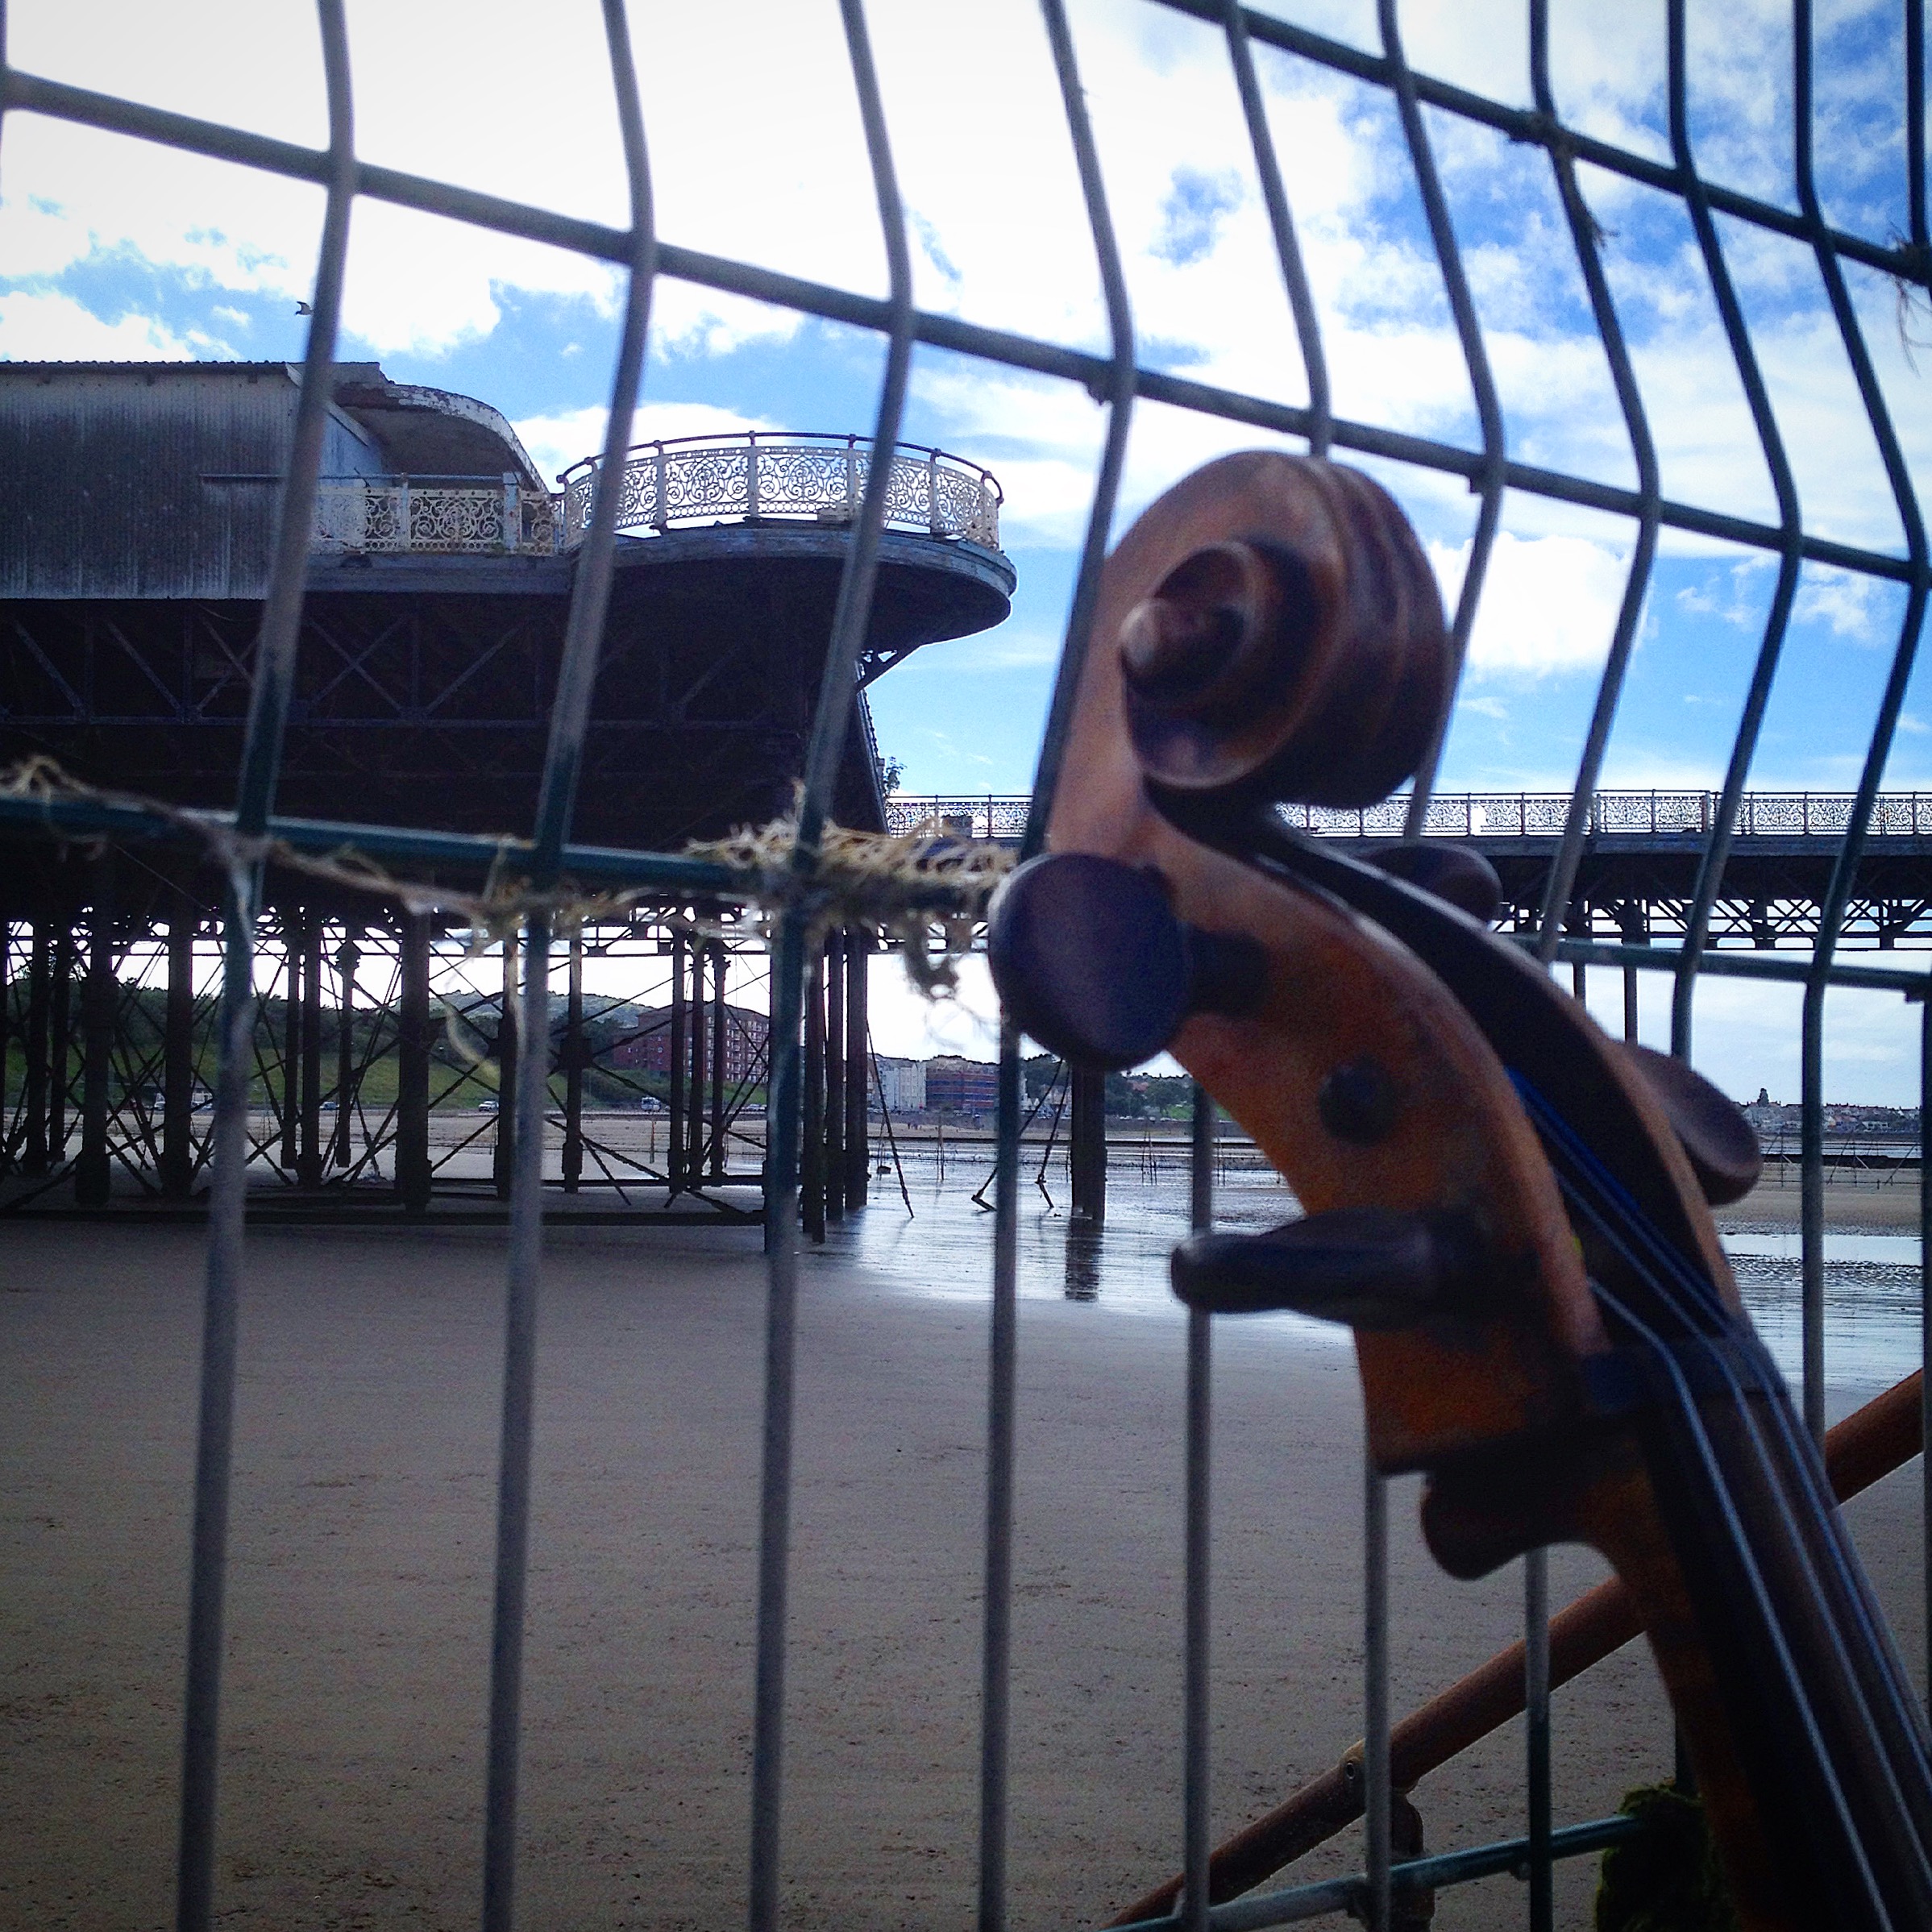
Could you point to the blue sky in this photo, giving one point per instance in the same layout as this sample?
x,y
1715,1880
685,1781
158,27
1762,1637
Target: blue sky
x,y
112,249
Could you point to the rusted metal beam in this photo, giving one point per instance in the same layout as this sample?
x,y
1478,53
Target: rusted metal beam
x,y
413,1067
92,1179
835,1076
1088,1148
859,1152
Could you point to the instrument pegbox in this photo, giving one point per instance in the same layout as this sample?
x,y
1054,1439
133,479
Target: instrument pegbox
x,y
1212,662
1304,660
1092,962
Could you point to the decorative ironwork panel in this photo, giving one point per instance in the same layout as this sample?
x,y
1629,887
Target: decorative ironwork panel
x,y
790,477
395,514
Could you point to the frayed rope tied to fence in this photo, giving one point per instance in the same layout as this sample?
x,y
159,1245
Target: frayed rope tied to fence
x,y
904,886
922,893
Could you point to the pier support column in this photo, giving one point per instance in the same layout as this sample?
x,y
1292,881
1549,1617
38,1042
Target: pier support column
x,y
177,1053
309,1156
1629,1004
573,1070
348,956
719,961
835,1076
413,1067
694,1095
503,1159
7,1149
6,1018
678,1067
291,1039
1088,1146
812,1146
859,1070
60,1042
92,1178
39,1015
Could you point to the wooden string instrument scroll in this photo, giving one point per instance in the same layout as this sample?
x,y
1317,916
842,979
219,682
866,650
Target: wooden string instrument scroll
x,y
1510,1209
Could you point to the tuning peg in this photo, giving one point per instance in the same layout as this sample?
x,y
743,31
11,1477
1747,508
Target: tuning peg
x,y
1091,960
1719,1142
1370,1267
1452,873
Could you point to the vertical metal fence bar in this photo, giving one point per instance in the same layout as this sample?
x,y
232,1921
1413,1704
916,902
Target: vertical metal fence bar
x,y
1121,380
1196,1845
1717,849
1536,1737
995,1683
1811,1210
532,1046
1924,1330
1295,276
1584,237
1003,1346
823,750
1375,1806
1844,870
1915,135
271,687
1489,410
570,716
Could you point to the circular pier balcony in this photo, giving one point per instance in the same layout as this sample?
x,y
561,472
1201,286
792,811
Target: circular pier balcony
x,y
783,475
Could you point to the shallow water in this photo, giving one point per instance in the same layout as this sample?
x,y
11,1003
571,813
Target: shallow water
x,y
944,1250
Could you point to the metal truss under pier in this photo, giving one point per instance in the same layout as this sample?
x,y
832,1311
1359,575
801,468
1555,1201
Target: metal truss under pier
x,y
1640,857
384,1064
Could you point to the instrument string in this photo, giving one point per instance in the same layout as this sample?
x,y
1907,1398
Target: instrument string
x,y
1681,1324
1613,1211
1689,1299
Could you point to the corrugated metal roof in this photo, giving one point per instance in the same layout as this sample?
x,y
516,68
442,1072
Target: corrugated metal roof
x,y
159,480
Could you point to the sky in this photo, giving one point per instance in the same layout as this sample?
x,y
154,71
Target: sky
x,y
111,248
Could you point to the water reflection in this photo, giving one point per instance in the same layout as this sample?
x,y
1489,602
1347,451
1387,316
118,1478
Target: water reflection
x,y
944,1249
1085,1242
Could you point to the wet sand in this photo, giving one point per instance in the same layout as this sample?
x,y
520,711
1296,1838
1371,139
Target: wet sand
x,y
361,1571
1868,1203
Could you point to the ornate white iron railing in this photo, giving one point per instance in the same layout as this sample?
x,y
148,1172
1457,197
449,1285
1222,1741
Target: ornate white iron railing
x,y
435,515
1499,815
787,476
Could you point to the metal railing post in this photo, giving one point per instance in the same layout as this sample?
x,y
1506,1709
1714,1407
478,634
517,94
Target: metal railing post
x,y
1375,1806
1195,1841
1536,1715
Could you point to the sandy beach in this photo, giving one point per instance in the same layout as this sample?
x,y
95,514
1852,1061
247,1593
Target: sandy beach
x,y
360,1579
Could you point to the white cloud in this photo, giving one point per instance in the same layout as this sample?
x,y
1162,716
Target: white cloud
x,y
556,442
54,328
1847,602
756,152
905,1022
1549,604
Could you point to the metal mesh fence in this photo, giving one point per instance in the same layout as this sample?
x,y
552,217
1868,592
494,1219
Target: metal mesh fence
x,y
1119,377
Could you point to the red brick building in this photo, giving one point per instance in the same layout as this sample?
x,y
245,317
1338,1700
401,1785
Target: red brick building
x,y
647,1050
954,1086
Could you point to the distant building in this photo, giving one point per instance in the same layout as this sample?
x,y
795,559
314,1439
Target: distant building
x,y
646,1047
903,1083
954,1086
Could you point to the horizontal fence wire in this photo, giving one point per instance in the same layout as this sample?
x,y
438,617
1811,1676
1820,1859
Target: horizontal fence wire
x,y
1847,823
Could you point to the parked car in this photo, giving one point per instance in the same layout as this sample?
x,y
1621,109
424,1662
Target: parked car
x,y
488,1105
